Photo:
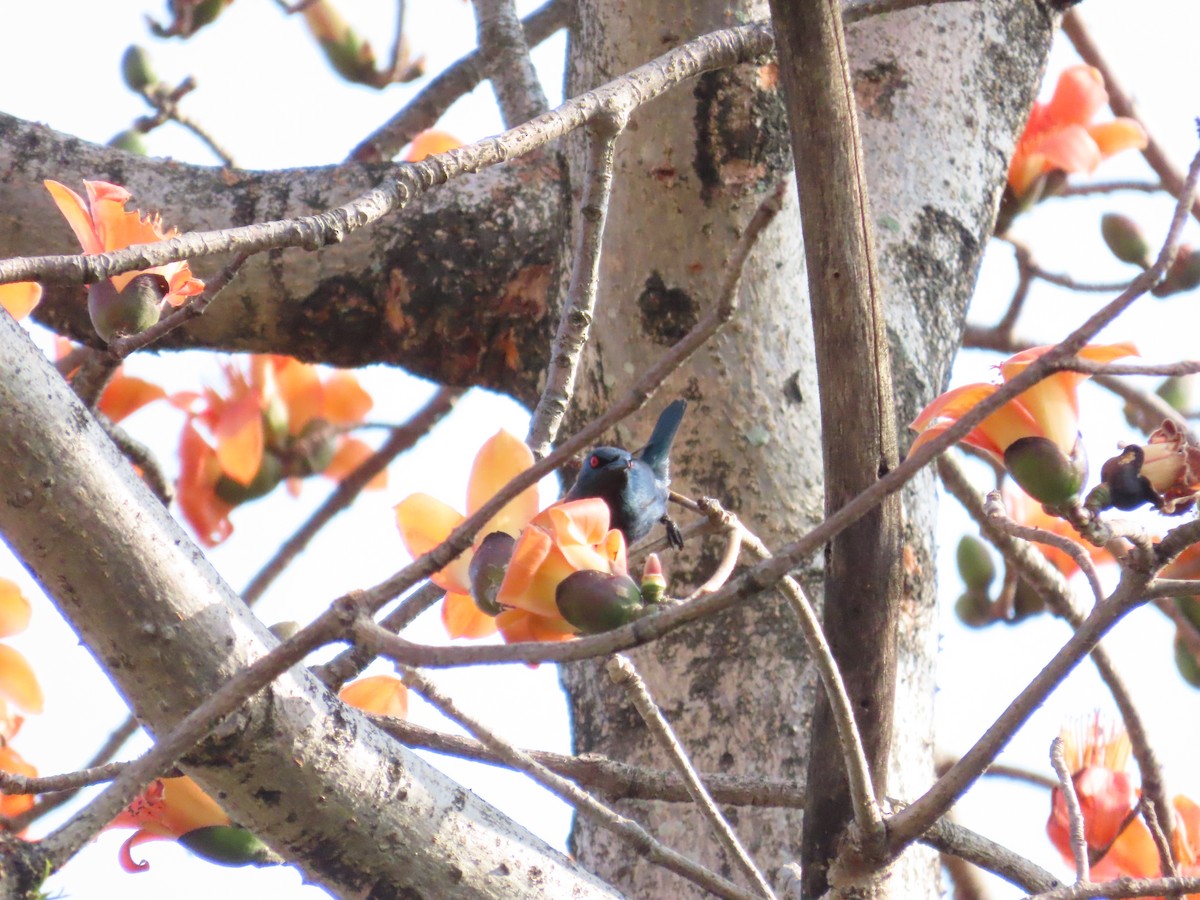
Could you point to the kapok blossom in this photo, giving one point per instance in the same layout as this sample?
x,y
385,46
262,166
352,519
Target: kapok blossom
x,y
1036,434
102,224
19,687
277,419
425,521
1027,511
1119,843
1165,472
165,811
20,297
1060,135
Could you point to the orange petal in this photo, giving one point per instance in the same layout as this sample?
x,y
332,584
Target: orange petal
x,y
12,761
1117,135
125,395
1069,148
198,473
185,807
349,456
499,460
949,408
239,434
15,610
17,681
1078,96
381,695
71,205
429,142
519,626
299,384
532,550
463,619
346,403
425,522
20,297
576,521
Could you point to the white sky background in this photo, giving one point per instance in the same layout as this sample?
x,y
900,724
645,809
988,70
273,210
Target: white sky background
x,y
267,94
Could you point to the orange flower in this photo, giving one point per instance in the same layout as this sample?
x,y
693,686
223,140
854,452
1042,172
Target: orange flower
x,y
1060,135
1027,511
380,695
166,810
278,420
18,686
102,224
429,142
20,297
123,395
1036,434
561,540
424,522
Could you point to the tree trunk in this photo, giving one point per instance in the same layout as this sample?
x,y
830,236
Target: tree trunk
x,y
938,125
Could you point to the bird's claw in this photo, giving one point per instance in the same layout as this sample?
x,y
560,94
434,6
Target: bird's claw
x,y
674,535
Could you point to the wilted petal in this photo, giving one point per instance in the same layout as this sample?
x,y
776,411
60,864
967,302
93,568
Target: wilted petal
x,y
499,461
20,297
15,610
463,619
18,684
381,695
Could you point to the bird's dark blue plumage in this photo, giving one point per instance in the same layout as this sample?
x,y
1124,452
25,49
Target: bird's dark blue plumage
x,y
634,485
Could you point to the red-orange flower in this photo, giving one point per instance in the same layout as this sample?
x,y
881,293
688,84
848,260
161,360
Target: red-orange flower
x,y
380,695
1027,511
20,297
277,420
1060,135
165,811
1036,434
102,224
19,687
424,522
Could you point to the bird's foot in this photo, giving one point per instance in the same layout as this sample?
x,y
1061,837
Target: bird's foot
x,y
674,535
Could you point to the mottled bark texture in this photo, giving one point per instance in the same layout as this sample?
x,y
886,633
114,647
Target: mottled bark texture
x,y
456,288
938,124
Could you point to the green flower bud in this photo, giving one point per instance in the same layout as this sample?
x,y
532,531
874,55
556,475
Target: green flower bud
x,y
270,473
1188,666
136,68
654,583
974,609
130,141
1184,274
1045,472
131,311
1026,602
975,565
595,602
488,567
317,444
228,845
1125,239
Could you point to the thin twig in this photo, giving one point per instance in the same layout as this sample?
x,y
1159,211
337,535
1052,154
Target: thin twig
x,y
439,94
12,783
62,844
585,804
951,838
623,673
402,438
578,310
1123,888
499,34
1108,187
1066,784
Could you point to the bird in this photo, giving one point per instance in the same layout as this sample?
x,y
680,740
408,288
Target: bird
x,y
634,485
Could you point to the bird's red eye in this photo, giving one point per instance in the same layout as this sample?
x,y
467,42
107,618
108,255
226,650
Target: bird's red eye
x,y
594,462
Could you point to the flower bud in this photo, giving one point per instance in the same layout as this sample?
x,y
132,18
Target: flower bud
x,y
1184,274
131,311
1045,472
1188,665
270,473
654,583
974,609
284,630
136,68
488,567
228,845
130,141
1125,239
975,565
595,602
1026,602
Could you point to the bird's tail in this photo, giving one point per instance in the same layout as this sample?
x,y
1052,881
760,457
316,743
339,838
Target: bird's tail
x,y
657,449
